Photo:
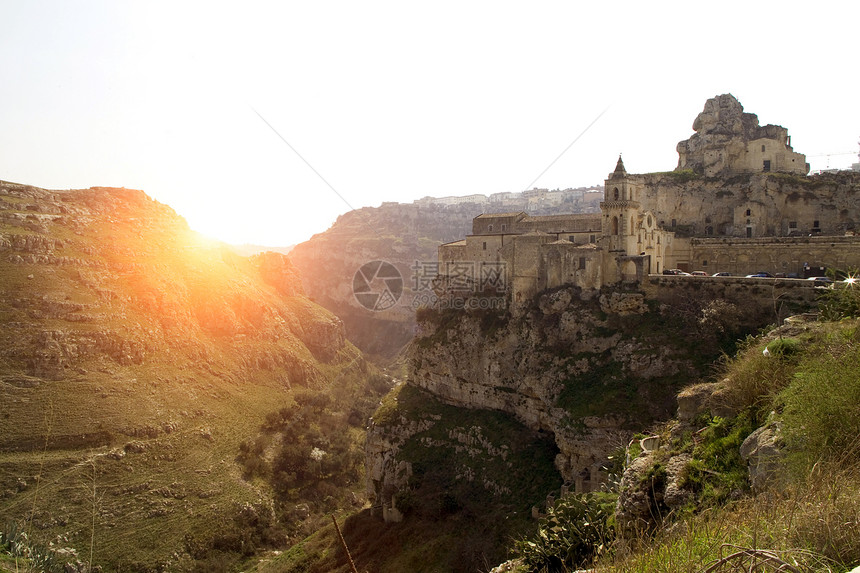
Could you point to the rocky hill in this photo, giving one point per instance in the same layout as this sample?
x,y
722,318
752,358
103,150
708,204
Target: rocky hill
x,y
135,358
405,235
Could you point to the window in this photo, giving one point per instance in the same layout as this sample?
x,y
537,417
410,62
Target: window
x,y
615,193
614,225
705,263
674,222
815,224
572,239
766,165
504,227
707,219
762,147
709,230
749,231
792,224
749,212
582,262
489,228
592,239
485,245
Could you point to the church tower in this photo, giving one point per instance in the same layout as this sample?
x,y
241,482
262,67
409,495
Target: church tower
x,y
620,211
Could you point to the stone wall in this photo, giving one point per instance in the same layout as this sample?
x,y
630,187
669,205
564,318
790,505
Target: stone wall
x,y
771,300
789,255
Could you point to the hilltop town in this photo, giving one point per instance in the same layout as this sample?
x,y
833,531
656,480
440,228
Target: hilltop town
x,y
738,202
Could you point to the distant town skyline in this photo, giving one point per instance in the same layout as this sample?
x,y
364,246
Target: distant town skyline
x,y
262,123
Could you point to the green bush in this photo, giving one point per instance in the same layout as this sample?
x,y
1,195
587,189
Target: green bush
x,y
574,532
784,347
841,301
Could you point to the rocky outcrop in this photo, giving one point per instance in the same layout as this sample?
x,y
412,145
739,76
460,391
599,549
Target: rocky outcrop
x,y
386,474
723,131
278,271
587,368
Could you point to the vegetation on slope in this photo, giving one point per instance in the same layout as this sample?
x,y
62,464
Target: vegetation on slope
x,y
475,477
135,359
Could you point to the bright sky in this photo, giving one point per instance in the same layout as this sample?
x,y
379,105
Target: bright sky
x,y
392,101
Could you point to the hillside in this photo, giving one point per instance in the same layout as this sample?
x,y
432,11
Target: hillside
x,y
135,359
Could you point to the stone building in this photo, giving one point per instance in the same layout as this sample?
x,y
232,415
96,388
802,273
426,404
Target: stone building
x,y
739,201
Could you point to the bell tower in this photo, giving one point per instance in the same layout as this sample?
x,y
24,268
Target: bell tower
x,y
620,212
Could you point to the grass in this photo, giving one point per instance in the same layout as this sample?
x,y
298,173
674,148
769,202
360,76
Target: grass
x,y
717,471
814,525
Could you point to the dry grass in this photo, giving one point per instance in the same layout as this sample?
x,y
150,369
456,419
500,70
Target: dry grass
x,y
810,526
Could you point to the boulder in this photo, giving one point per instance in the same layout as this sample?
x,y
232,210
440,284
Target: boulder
x,y
763,453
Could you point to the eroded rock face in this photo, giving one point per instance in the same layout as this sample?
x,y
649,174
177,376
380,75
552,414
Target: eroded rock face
x,y
386,475
575,366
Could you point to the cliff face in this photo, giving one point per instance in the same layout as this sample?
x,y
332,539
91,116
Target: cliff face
x,y
588,369
135,356
769,202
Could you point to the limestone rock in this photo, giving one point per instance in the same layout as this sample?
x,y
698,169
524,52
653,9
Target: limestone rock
x,y
695,400
675,496
763,452
623,303
720,144
637,497
277,270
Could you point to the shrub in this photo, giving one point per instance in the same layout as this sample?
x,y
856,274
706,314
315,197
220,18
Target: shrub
x,y
841,301
784,347
575,531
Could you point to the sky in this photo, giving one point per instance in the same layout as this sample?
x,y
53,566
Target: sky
x,y
261,122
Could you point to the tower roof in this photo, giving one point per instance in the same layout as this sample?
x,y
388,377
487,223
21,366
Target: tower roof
x,y
619,168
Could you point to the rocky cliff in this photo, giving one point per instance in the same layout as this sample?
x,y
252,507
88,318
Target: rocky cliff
x,y
135,357
586,368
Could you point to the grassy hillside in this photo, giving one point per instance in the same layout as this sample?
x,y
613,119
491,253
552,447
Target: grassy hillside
x,y
135,359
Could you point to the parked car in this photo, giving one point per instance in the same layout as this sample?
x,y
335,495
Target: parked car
x,y
699,273
675,272
761,275
721,274
821,281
